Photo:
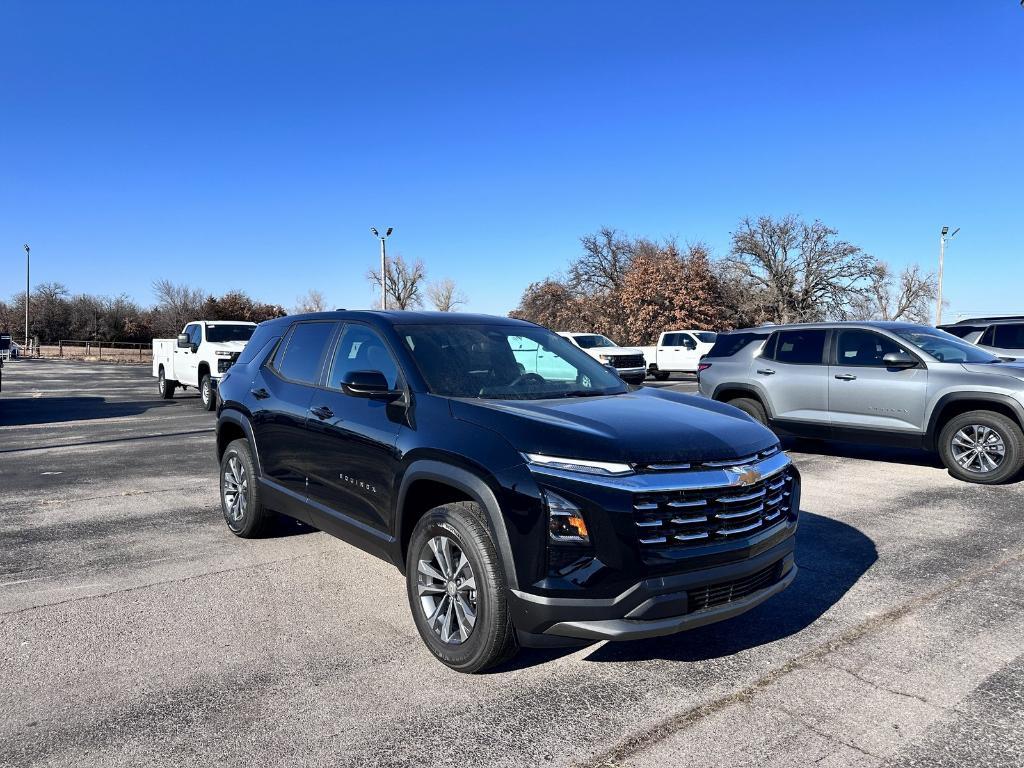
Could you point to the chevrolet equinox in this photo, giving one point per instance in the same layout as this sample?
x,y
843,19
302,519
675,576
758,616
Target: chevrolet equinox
x,y
530,497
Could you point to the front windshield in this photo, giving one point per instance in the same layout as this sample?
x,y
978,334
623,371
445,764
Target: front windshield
x,y
504,362
591,340
218,333
706,337
945,347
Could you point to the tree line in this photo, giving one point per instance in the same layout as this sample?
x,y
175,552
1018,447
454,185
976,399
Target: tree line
x,y
777,270
56,314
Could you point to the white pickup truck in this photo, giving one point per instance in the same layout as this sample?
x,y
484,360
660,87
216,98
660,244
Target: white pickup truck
x,y
201,354
678,351
628,362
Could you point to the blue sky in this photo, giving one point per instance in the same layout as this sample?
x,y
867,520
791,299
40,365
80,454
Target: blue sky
x,y
252,145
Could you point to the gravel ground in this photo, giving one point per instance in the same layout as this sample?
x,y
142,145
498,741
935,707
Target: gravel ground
x,y
135,630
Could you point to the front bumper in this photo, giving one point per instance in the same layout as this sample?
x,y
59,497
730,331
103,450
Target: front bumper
x,y
656,606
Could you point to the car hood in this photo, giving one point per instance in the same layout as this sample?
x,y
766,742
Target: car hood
x,y
646,425
614,350
1015,369
227,346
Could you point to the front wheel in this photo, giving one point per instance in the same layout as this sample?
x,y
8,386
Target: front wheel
x,y
457,588
982,447
662,375
207,394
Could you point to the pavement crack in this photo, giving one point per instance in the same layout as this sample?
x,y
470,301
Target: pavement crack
x,y
826,735
906,694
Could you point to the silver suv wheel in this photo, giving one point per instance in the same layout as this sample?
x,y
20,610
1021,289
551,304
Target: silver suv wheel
x,y
978,448
446,587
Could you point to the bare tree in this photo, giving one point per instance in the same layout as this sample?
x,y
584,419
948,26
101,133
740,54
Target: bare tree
x,y
404,282
176,304
313,301
604,262
445,296
908,297
798,271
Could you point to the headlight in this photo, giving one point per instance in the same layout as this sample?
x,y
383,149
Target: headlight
x,y
223,353
565,521
585,466
603,358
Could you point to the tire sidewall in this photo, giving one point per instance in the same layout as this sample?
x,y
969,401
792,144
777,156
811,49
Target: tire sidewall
x,y
206,394
752,408
1011,439
444,521
243,527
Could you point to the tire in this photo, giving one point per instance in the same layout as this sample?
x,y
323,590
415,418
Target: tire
x,y
206,393
982,447
490,638
752,408
662,375
165,386
248,519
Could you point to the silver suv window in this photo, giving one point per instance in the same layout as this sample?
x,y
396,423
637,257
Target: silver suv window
x,y
803,346
863,348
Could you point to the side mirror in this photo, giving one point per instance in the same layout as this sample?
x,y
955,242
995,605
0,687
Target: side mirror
x,y
367,384
898,360
184,341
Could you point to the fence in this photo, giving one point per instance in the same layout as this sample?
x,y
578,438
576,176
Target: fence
x,y
107,351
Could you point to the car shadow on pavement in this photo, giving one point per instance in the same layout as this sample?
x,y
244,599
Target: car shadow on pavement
x,y
19,411
868,452
831,555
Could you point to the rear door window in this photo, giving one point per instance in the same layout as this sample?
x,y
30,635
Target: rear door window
x,y
300,357
800,347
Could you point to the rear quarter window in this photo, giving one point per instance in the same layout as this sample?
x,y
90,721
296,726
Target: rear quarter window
x,y
728,344
261,339
1009,336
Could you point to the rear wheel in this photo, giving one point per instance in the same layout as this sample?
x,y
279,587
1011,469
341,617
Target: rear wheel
x,y
240,495
752,408
662,375
982,447
457,588
206,393
165,386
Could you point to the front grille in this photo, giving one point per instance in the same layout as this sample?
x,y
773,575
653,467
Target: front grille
x,y
702,598
628,361
695,517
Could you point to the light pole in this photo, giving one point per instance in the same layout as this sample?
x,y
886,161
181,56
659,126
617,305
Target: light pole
x,y
944,237
383,265
28,265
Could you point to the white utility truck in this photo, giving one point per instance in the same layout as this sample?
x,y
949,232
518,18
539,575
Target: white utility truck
x,y
201,354
678,351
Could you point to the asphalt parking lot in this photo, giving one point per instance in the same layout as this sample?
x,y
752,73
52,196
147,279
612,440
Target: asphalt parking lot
x,y
135,630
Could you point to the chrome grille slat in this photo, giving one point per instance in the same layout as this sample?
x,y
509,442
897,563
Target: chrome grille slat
x,y
744,529
691,536
689,520
648,523
740,499
688,504
742,513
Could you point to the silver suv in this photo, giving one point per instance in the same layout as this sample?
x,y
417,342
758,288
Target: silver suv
x,y
877,382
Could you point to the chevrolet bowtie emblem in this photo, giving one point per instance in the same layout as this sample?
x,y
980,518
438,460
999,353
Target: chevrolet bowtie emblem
x,y
745,475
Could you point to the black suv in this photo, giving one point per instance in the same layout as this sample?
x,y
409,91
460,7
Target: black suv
x,y
528,494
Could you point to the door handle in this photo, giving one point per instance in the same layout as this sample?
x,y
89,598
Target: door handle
x,y
845,376
766,371
259,394
322,412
